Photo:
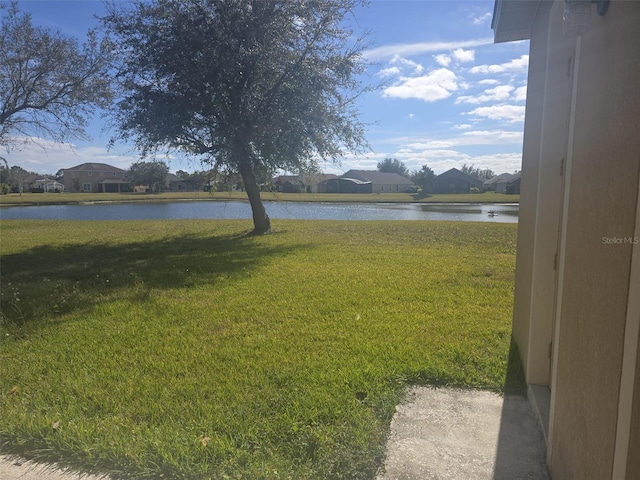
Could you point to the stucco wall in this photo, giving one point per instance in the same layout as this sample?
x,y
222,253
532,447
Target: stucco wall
x,y
529,187
605,168
633,456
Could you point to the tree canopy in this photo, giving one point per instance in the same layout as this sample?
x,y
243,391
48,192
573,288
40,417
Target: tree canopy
x,y
152,174
426,178
49,84
477,172
393,165
249,86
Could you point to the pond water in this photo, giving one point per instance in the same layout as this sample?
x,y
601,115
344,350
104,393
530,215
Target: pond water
x,y
276,210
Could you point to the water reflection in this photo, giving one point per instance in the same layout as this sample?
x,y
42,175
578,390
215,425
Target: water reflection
x,y
277,210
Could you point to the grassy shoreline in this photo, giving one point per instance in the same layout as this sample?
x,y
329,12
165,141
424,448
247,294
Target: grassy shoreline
x,y
186,349
32,199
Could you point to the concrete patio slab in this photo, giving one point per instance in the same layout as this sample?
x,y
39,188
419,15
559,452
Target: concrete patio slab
x,y
12,468
443,433
436,434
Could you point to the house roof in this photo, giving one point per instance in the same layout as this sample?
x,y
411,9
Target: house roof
x,y
502,178
282,179
515,178
85,167
316,178
45,179
353,180
512,19
459,175
378,178
114,181
172,177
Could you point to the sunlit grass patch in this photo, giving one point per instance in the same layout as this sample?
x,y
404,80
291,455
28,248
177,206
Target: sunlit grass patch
x,y
187,349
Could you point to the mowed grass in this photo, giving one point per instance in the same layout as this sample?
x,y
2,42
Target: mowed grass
x,y
75,198
187,349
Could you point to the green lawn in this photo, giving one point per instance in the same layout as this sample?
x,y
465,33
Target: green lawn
x,y
186,349
72,198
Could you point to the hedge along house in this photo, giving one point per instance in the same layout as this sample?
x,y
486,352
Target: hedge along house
x,y
577,296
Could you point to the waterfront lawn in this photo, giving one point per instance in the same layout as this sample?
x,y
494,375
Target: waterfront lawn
x,y
186,349
80,198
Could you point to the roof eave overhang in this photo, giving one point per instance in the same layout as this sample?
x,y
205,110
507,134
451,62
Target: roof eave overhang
x,y
512,19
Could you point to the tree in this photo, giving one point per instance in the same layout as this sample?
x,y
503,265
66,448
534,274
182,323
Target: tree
x,y
18,175
393,165
49,85
153,174
248,86
425,178
477,172
5,177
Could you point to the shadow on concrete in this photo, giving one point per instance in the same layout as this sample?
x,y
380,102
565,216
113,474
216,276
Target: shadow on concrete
x,y
521,446
455,433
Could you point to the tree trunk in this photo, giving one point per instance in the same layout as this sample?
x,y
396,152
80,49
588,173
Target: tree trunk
x,y
261,222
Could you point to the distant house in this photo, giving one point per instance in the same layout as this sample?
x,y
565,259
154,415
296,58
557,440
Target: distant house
x,y
455,181
381,182
47,185
345,185
498,183
176,184
95,177
314,181
513,185
289,184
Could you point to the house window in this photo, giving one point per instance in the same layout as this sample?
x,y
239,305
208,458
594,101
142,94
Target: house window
x,y
86,187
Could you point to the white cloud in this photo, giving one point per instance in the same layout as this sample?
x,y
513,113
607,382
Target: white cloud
x,y
520,94
441,154
436,85
508,113
481,19
517,64
460,55
408,49
462,139
417,68
463,126
44,156
443,59
491,137
463,56
496,94
432,145
488,81
388,72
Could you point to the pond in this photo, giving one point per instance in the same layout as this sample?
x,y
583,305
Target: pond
x,y
276,210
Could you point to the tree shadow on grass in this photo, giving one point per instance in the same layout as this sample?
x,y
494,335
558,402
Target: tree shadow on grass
x,y
47,282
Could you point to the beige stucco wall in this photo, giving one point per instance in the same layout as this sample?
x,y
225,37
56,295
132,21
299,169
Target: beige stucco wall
x,y
529,189
583,104
633,455
605,169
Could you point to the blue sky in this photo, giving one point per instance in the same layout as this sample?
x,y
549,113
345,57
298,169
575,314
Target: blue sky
x,y
448,95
